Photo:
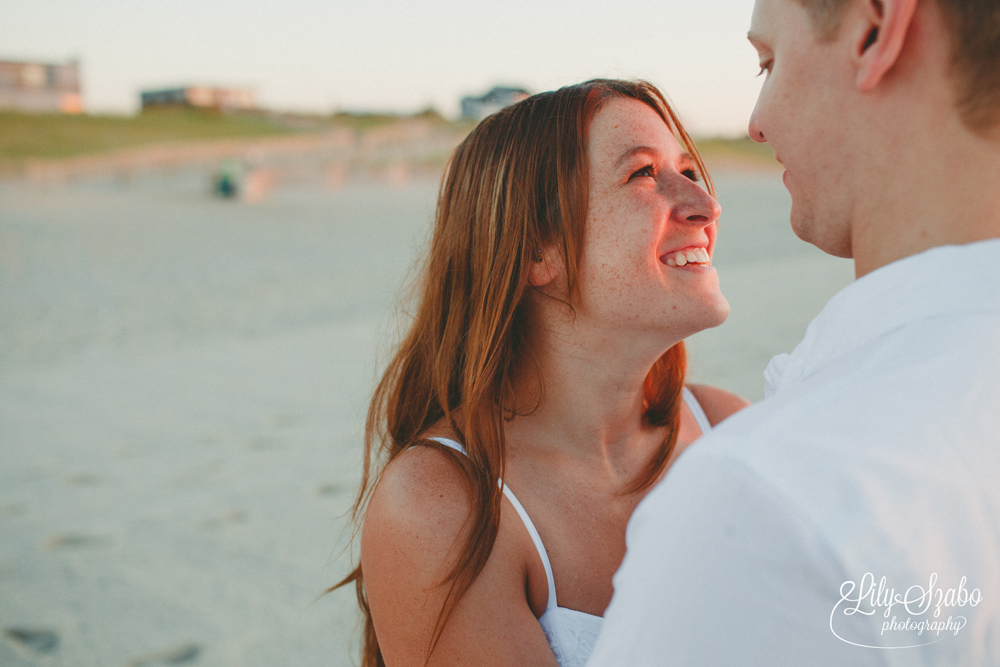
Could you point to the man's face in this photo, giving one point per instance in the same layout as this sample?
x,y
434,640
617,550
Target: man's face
x,y
802,111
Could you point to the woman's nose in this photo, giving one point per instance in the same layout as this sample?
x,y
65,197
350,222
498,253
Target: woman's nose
x,y
699,207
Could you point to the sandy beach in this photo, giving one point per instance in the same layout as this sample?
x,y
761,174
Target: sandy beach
x,y
183,382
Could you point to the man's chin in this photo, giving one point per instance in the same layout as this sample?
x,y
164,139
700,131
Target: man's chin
x,y
827,237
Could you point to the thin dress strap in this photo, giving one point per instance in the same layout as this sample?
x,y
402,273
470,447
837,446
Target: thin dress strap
x,y
699,413
521,512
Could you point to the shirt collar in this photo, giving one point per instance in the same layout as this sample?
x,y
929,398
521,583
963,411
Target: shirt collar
x,y
939,281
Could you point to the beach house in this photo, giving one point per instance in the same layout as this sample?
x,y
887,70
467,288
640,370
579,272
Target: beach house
x,y
36,87
478,108
200,97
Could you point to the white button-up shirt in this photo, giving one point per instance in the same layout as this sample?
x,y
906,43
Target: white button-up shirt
x,y
853,516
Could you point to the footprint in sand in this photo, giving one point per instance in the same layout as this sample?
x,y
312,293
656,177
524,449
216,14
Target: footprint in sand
x,y
13,509
230,517
33,641
334,489
171,656
83,479
263,443
287,420
212,438
75,541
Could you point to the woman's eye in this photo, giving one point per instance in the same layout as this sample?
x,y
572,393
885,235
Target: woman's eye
x,y
765,67
646,171
692,174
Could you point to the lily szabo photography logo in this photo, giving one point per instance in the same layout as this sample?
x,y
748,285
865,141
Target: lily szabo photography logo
x,y
915,617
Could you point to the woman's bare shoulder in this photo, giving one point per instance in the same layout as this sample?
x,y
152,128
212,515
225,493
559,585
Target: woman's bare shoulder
x,y
717,403
412,539
423,494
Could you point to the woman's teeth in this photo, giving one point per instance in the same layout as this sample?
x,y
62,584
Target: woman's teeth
x,y
685,257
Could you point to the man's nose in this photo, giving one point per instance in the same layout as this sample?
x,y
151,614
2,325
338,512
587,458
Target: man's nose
x,y
754,130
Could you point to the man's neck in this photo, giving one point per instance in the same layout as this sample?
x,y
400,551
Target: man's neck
x,y
941,190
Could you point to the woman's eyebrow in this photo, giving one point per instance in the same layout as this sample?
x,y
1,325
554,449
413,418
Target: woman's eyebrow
x,y
635,150
684,157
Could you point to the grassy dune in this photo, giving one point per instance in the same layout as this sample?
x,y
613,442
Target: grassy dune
x,y
743,152
54,136
24,136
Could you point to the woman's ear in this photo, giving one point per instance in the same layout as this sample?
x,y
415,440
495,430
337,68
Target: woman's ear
x,y
546,265
887,25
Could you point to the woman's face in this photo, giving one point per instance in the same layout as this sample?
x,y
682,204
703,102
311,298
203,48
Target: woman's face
x,y
650,230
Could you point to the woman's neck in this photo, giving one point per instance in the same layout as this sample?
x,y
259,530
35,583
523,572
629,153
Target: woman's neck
x,y
590,401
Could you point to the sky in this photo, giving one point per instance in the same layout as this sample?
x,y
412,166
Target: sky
x,y
395,55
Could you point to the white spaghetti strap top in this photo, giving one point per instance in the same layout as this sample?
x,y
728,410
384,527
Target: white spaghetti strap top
x,y
694,406
570,633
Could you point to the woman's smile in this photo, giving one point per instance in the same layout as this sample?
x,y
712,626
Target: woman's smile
x,y
690,257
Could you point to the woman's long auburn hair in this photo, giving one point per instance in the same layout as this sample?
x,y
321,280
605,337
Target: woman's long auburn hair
x,y
516,184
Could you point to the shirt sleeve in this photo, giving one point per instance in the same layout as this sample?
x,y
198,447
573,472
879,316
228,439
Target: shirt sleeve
x,y
721,569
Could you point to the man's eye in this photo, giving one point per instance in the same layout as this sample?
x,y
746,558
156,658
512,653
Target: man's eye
x,y
646,171
692,174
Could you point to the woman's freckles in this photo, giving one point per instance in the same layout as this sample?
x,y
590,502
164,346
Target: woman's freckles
x,y
644,206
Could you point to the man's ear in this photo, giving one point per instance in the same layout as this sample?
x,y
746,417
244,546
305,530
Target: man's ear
x,y
545,267
888,23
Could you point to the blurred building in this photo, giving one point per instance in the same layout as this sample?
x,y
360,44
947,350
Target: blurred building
x,y
40,87
200,97
478,108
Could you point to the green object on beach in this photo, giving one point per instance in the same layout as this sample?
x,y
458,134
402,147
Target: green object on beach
x,y
229,178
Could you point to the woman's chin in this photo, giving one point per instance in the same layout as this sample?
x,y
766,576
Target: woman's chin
x,y
711,314
721,312
685,321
